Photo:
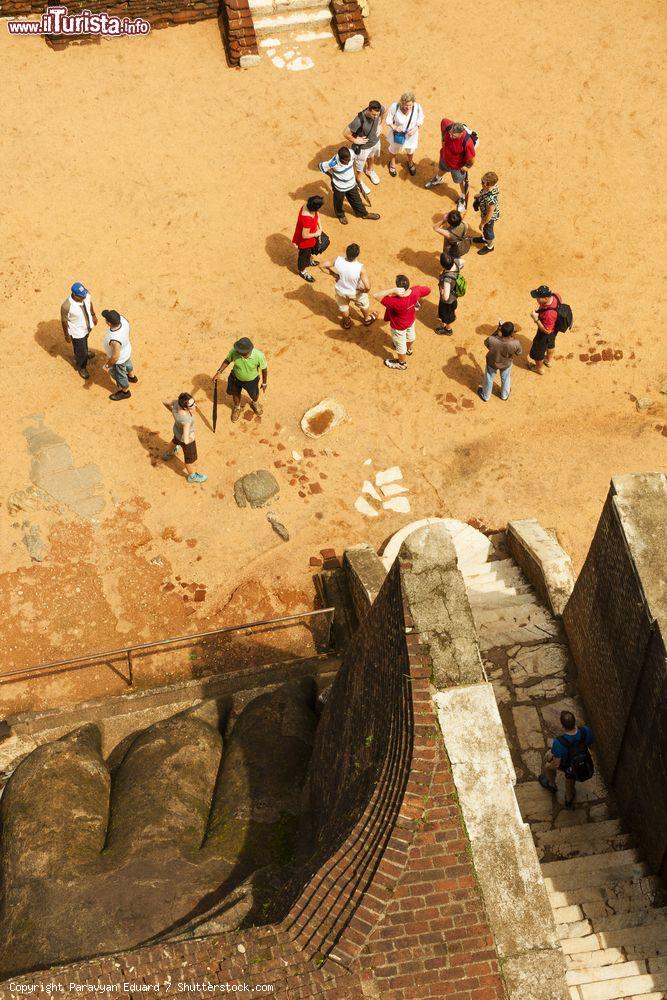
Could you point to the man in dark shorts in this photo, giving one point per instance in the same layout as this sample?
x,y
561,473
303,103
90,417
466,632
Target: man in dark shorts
x,y
456,157
183,412
448,301
544,317
559,758
247,362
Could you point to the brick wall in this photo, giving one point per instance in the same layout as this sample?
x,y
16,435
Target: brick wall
x,y
388,904
619,651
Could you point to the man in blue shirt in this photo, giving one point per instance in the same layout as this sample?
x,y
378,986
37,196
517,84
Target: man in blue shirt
x,y
573,741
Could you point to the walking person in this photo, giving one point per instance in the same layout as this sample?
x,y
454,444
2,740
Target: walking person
x,y
77,316
570,754
457,155
352,286
401,304
119,353
502,347
486,203
183,412
448,301
363,134
404,117
545,318
247,364
340,169
454,231
308,236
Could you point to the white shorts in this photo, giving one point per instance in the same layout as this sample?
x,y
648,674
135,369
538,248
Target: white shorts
x,y
409,146
402,338
367,153
361,299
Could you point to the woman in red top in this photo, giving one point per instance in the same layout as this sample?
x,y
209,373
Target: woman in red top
x,y
306,235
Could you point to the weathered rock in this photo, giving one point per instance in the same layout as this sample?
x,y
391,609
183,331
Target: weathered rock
x,y
32,498
34,543
322,418
644,403
255,489
278,527
354,43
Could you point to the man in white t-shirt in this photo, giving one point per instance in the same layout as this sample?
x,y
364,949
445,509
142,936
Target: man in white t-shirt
x,y
352,285
119,352
77,315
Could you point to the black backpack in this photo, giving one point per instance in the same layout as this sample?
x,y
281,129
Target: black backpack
x,y
564,317
579,763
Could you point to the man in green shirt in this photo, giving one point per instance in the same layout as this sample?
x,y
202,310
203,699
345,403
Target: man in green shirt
x,y
247,362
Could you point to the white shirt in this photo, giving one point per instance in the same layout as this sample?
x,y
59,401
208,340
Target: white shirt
x,y
78,316
349,272
122,335
398,120
342,174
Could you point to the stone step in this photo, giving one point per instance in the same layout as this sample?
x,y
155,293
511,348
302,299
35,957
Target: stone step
x,y
582,849
618,989
260,8
576,884
521,614
642,889
600,958
639,917
647,935
501,597
621,970
612,859
586,832
311,17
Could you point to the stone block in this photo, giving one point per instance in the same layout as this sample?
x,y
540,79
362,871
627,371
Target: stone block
x,y
354,43
248,61
255,489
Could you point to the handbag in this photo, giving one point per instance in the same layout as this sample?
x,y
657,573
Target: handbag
x,y
400,137
323,242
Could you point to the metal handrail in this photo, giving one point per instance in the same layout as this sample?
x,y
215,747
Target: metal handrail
x,y
128,651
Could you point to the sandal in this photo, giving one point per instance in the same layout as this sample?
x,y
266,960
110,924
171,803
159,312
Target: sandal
x,y
370,319
346,322
412,170
392,171
408,351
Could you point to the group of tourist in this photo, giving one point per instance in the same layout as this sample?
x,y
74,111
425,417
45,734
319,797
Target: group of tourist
x,y
349,169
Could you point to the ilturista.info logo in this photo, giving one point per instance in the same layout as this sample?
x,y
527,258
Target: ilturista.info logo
x,y
59,21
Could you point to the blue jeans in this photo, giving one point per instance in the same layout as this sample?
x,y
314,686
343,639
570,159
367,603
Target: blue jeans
x,y
119,374
489,377
488,232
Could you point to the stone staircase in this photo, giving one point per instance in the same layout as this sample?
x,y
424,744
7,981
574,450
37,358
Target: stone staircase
x,y
610,911
284,27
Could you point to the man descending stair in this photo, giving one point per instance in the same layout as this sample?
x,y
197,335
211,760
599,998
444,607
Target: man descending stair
x,y
570,754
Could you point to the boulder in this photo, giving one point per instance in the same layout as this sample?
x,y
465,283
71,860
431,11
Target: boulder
x,y
255,489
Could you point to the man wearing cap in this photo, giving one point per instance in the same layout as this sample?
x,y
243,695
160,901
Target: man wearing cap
x,y
247,362
119,353
456,157
78,318
544,317
502,347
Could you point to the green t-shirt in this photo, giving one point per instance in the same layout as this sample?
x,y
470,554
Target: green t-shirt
x,y
247,369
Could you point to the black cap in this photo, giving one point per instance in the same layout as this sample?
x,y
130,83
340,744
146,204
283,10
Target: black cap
x,y
243,345
542,292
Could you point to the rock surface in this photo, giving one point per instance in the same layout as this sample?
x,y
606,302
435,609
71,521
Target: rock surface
x,y
185,836
255,489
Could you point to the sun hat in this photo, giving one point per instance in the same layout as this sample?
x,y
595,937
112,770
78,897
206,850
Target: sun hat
x,y
243,345
541,292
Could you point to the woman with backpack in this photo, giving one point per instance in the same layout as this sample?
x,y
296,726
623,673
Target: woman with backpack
x,y
455,234
550,319
570,754
448,283
308,236
404,118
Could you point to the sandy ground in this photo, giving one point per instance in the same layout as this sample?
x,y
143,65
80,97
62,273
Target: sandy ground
x,y
169,184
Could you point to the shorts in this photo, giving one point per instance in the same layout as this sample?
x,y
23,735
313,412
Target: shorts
x,y
235,387
488,231
189,451
361,299
366,153
401,338
458,176
542,342
447,311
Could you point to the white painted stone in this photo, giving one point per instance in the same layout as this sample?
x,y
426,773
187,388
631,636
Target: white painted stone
x,y
363,506
354,43
391,475
296,456
370,490
247,62
393,490
400,505
278,62
300,63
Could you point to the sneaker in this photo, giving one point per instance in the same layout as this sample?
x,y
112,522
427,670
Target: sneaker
x,y
434,181
236,413
197,477
479,393
485,250
461,205
371,215
373,177
342,219
120,394
132,378
364,187
84,373
393,363
478,239
546,784
257,407
307,277
443,331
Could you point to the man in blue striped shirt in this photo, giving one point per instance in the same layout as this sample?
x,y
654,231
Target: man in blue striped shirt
x,y
340,169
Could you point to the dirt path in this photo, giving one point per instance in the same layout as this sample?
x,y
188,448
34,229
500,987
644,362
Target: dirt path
x,y
170,184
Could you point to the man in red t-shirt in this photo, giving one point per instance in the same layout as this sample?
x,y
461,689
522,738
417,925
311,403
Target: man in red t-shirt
x,y
544,317
456,157
401,304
